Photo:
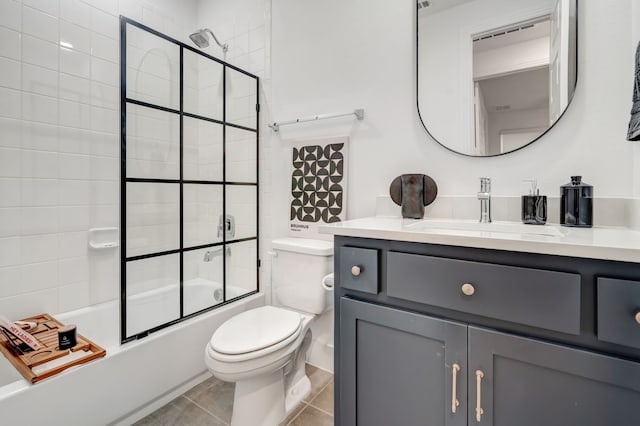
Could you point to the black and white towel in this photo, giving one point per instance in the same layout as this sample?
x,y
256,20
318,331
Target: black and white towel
x,y
318,184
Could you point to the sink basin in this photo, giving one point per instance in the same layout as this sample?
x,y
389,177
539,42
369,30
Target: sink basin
x,y
498,227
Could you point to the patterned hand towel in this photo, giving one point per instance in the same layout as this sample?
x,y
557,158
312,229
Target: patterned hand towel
x,y
318,185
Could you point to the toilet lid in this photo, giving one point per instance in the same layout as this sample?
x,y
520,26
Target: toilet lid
x,y
255,329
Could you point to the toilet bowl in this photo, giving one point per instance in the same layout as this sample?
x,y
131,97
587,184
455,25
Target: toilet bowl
x,y
264,349
258,349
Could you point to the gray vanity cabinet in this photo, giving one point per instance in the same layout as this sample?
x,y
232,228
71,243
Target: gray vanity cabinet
x,y
398,367
537,340
526,382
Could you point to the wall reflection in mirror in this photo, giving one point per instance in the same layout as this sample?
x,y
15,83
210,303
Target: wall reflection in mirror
x,y
494,75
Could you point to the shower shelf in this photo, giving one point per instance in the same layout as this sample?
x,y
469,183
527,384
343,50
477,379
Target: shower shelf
x,y
30,364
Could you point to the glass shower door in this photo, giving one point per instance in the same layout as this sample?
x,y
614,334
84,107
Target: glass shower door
x,y
189,187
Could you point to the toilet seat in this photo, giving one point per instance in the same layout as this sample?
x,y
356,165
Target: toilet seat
x,y
255,333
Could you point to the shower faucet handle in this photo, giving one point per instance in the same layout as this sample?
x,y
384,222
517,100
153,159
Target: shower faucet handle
x,y
227,224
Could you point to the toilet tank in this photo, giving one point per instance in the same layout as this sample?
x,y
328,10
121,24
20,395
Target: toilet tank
x,y
297,269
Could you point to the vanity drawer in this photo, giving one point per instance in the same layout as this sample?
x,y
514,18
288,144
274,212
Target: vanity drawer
x,y
618,304
359,269
535,297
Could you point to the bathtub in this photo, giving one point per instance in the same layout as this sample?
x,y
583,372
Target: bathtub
x,y
132,380
159,306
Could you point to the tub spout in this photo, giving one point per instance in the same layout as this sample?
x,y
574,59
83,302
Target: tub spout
x,y
209,255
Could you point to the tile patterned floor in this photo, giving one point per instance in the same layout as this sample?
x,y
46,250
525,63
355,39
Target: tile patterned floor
x,y
210,403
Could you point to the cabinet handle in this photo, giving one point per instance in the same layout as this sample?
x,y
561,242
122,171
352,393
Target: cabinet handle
x,y
454,399
637,317
468,289
355,270
479,410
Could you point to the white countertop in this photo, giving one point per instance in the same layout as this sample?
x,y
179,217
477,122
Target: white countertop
x,y
608,243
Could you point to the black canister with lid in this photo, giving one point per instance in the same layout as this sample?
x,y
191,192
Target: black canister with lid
x,y
576,203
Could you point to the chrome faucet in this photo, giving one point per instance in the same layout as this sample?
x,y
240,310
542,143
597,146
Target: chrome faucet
x,y
485,200
210,254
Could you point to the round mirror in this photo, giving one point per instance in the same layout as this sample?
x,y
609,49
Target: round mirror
x,y
494,75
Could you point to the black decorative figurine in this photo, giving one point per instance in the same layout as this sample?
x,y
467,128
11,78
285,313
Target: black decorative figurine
x,y
413,192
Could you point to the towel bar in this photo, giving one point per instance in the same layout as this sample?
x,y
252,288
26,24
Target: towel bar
x,y
359,113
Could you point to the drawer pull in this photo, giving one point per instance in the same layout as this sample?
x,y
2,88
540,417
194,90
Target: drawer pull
x,y
637,317
454,398
479,410
468,289
355,270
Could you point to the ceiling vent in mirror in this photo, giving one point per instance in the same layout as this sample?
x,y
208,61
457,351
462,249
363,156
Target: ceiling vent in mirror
x,y
424,3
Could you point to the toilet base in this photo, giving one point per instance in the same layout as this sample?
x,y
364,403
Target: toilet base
x,y
259,401
297,393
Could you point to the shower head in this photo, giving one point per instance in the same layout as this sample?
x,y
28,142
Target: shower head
x,y
201,39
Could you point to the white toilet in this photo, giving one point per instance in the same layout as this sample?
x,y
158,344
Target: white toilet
x,y
263,350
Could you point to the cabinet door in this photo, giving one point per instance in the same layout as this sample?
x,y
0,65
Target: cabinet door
x,y
396,367
531,383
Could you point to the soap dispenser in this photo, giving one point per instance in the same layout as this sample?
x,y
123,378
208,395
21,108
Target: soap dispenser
x,y
576,203
534,205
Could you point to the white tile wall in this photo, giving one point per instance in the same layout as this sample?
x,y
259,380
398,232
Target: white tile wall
x,y
153,143
153,69
205,76
39,24
11,14
157,273
10,46
59,146
153,218
40,52
202,211
75,62
241,203
75,37
202,150
241,99
241,271
241,155
9,73
197,271
48,6
39,80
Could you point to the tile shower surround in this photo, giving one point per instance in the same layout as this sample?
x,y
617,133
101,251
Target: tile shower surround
x,y
59,142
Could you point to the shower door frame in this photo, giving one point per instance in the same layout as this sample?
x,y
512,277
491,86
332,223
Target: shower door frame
x,y
124,101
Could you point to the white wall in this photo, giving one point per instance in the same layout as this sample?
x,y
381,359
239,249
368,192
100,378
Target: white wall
x,y
500,121
333,55
510,58
59,145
